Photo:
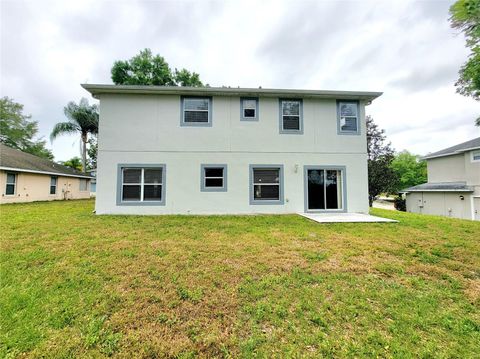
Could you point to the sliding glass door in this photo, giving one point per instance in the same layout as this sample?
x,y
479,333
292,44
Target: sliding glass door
x,y
324,189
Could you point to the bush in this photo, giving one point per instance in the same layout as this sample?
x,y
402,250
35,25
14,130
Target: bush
x,y
400,204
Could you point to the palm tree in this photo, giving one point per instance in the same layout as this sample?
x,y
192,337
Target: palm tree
x,y
83,119
74,162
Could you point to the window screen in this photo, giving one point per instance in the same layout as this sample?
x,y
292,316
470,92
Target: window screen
x,y
266,184
249,108
196,110
291,113
348,116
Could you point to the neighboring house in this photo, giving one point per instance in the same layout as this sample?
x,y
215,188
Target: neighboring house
x,y
165,150
27,178
453,187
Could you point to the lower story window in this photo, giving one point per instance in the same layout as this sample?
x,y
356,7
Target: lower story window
x,y
266,184
11,184
83,184
214,178
142,184
53,185
324,189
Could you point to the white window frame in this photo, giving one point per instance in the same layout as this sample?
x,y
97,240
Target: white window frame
x,y
203,184
14,183
300,116
142,201
183,99
242,109
473,155
339,118
56,185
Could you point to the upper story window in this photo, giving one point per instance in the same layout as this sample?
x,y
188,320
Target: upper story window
x,y
249,109
476,156
143,184
196,111
214,178
291,112
347,117
11,184
53,185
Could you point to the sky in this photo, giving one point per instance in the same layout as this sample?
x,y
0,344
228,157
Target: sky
x,y
405,49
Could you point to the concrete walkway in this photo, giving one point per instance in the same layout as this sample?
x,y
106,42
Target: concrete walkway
x,y
345,218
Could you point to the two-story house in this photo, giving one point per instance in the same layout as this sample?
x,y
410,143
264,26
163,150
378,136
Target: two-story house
x,y
453,187
166,150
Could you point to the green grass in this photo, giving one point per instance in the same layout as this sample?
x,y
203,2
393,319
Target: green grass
x,y
78,285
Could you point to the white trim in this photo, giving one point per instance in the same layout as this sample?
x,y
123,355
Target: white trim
x,y
42,172
457,152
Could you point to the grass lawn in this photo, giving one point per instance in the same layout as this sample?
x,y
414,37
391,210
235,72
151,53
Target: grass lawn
x,y
78,285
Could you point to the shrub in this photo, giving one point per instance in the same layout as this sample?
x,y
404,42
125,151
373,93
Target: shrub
x,y
400,204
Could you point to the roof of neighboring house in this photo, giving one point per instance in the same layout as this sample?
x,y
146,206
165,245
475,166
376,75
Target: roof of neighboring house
x,y
16,160
98,89
440,187
455,150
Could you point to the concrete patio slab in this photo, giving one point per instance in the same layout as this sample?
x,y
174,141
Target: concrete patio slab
x,y
345,218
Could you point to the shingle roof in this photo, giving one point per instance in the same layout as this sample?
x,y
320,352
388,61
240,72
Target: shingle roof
x,y
13,159
440,187
462,147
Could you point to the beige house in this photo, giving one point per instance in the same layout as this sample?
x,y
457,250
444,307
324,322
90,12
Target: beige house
x,y
27,178
453,188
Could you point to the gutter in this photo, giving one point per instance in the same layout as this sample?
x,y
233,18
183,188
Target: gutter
x,y
98,89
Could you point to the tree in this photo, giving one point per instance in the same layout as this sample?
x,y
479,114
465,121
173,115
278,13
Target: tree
x,y
381,177
92,152
409,169
74,162
465,16
147,69
83,119
17,131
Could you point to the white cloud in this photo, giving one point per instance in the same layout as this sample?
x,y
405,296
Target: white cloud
x,y
404,48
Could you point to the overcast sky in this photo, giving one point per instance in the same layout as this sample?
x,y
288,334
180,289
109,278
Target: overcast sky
x,y
404,48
